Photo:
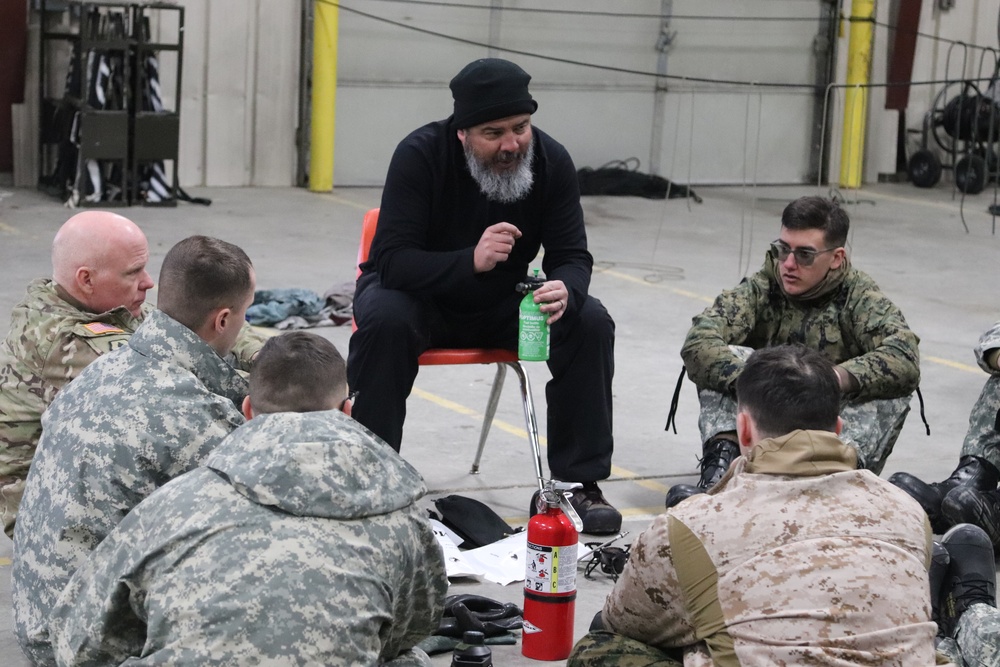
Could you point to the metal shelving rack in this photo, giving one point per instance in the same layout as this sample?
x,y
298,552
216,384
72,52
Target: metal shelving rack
x,y
129,136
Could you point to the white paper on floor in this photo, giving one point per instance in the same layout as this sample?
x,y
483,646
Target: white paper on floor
x,y
501,562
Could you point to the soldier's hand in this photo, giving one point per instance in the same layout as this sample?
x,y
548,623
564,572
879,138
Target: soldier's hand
x,y
495,246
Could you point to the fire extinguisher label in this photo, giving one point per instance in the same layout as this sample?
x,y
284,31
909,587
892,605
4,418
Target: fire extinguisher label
x,y
551,569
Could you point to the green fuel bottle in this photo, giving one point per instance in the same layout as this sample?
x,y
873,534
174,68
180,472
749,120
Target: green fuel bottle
x,y
532,329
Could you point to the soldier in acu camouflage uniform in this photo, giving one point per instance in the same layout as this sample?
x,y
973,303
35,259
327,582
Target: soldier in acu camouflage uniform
x,y
778,563
92,304
131,421
298,542
970,494
807,293
964,574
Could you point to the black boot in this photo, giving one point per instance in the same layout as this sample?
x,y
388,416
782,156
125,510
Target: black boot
x,y
965,504
972,575
718,454
938,573
972,471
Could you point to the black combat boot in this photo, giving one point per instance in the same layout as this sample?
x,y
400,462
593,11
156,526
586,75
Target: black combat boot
x,y
718,453
972,575
938,573
972,471
965,504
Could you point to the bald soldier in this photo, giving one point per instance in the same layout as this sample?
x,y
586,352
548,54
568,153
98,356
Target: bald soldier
x,y
93,303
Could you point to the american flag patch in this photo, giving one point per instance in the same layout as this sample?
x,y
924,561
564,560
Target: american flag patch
x,y
102,328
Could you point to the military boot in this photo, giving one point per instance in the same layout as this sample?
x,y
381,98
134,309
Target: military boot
x,y
718,453
972,575
937,574
965,504
972,471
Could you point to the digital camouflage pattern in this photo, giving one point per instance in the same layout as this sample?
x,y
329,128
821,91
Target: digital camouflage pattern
x,y
982,438
853,324
777,565
977,638
297,543
131,421
52,338
871,427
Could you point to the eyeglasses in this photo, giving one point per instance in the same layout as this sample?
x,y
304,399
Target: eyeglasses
x,y
350,397
610,559
803,256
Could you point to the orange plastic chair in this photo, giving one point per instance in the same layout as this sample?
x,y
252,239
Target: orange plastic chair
x,y
459,356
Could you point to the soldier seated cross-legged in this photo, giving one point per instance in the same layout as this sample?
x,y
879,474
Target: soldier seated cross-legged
x,y
94,301
807,293
796,557
970,494
297,543
131,421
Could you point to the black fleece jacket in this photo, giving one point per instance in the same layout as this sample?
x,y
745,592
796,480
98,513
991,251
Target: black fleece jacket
x,y
433,214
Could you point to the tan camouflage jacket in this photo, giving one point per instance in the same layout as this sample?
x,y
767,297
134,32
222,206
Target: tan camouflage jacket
x,y
854,325
298,543
52,338
794,559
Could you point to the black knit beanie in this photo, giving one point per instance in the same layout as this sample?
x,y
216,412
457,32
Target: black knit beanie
x,y
488,89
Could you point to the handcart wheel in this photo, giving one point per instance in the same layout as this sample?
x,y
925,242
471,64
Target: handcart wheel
x,y
924,169
970,174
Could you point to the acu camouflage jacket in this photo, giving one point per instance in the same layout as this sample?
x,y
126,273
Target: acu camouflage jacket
x,y
132,421
298,543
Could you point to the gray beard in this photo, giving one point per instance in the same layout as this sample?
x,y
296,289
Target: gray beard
x,y
505,187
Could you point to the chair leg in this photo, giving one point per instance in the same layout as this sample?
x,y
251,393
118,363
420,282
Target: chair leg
x,y
530,422
491,410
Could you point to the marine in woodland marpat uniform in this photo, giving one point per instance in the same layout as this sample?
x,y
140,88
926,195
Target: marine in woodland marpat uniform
x,y
91,305
132,420
807,293
298,542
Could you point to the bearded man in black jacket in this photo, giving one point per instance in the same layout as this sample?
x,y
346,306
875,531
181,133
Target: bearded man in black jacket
x,y
468,202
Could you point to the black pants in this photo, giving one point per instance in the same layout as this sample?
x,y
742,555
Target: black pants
x,y
395,327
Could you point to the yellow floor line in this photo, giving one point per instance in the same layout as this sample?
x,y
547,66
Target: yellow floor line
x,y
954,364
4,562
675,290
951,207
345,202
448,404
701,297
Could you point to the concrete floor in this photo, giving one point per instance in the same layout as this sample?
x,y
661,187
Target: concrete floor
x,y
658,263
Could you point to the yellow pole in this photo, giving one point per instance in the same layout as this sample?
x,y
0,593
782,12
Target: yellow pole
x,y
324,96
859,57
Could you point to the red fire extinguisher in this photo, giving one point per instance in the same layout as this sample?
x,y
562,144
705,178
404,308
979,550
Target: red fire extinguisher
x,y
550,577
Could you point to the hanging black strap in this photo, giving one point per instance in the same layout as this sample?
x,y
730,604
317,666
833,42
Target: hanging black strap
x,y
183,196
923,417
672,416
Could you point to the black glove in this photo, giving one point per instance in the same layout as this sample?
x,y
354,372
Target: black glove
x,y
475,612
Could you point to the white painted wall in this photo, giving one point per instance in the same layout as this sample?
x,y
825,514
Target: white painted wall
x,y
239,91
599,115
241,63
